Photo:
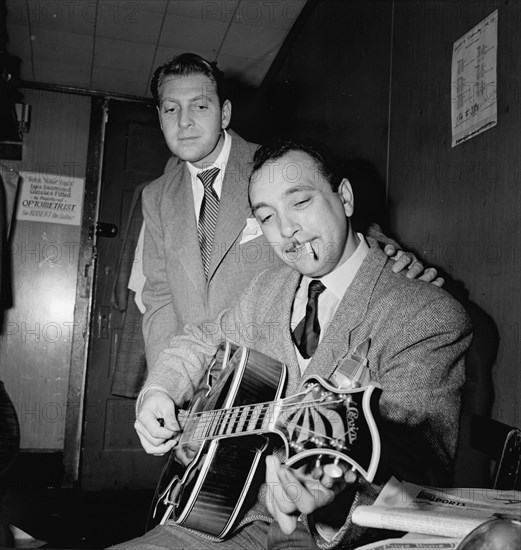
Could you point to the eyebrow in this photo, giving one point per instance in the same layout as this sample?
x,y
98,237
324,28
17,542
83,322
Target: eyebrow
x,y
287,193
255,207
298,189
206,97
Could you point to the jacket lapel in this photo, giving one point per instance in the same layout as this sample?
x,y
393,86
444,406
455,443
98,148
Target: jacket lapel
x,y
180,221
282,309
233,206
336,341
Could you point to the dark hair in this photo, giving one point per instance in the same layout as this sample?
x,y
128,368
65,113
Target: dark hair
x,y
277,148
188,64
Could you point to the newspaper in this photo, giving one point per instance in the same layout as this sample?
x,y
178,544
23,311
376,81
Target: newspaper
x,y
451,513
413,542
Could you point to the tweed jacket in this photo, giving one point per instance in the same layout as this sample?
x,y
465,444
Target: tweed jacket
x,y
419,335
176,291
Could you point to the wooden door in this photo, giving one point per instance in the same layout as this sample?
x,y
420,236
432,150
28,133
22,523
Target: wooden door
x,y
112,457
36,340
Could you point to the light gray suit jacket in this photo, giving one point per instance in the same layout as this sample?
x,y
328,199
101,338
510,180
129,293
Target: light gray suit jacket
x,y
176,291
419,335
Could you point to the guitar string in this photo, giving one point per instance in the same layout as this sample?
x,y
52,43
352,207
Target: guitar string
x,y
213,414
214,417
263,404
305,431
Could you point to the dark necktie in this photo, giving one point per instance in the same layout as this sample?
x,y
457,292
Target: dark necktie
x,y
207,216
307,332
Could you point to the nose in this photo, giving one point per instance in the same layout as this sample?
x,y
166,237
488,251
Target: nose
x,y
288,226
184,119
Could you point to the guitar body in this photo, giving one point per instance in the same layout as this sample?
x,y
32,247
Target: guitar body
x,y
234,418
220,483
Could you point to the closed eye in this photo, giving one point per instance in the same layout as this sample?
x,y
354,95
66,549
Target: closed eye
x,y
302,202
170,109
263,216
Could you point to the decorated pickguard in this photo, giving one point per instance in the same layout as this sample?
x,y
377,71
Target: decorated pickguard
x,y
325,421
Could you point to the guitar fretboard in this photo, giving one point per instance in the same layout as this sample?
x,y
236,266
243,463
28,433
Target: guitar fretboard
x,y
236,420
247,419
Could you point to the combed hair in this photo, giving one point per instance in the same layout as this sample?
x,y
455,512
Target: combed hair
x,y
277,148
188,64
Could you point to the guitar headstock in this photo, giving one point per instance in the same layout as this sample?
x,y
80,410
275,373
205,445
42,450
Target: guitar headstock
x,y
330,422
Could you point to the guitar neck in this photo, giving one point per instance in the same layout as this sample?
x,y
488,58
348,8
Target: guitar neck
x,y
319,420
273,416
244,420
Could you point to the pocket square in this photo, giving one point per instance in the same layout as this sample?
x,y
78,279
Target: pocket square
x,y
251,231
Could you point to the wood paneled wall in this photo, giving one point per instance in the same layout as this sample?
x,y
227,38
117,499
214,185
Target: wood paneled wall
x,y
35,346
460,207
333,83
360,69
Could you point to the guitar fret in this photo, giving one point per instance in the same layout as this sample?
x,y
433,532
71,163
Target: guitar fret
x,y
221,422
227,417
263,416
242,419
269,416
212,424
254,417
234,419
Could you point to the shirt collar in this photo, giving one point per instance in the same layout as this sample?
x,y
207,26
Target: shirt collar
x,y
339,279
220,162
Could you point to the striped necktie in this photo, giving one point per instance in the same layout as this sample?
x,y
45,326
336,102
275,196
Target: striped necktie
x,y
207,216
307,332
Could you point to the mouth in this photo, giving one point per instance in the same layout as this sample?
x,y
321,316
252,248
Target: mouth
x,y
306,247
311,251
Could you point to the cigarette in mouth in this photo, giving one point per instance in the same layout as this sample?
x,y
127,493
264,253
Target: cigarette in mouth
x,y
310,251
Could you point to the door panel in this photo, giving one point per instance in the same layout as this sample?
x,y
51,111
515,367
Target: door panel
x,y
112,457
35,343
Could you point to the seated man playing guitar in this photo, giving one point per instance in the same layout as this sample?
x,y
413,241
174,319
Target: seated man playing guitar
x,y
336,296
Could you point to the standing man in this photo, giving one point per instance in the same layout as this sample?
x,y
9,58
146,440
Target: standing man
x,y
193,272
202,245
341,288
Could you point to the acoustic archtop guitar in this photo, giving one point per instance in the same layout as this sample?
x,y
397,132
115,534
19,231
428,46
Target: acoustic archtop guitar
x,y
238,417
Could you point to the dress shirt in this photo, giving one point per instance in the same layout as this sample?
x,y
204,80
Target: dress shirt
x,y
220,162
336,283
137,278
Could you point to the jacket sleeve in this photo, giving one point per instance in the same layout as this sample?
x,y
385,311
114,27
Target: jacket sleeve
x,y
160,322
181,366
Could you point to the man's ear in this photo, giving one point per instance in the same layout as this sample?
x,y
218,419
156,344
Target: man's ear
x,y
226,114
346,196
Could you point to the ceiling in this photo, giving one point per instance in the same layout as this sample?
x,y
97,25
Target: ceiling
x,y
114,46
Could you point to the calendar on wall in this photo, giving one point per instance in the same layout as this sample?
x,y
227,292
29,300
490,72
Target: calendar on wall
x,y
474,81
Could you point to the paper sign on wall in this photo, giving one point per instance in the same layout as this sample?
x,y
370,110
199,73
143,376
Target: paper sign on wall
x,y
474,98
50,198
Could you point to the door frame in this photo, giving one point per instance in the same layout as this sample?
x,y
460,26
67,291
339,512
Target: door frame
x,y
84,292
86,280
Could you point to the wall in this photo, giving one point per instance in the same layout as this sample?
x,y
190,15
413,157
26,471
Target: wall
x,y
334,82
35,346
460,207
